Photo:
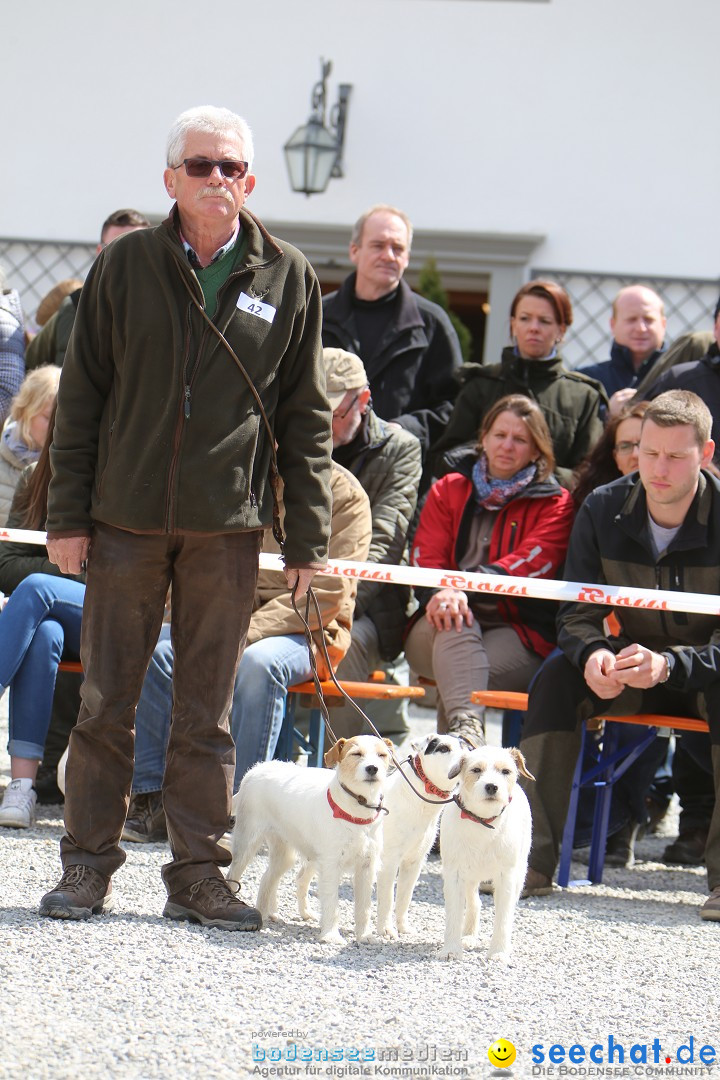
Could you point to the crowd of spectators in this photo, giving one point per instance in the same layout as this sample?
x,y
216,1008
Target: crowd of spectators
x,y
474,467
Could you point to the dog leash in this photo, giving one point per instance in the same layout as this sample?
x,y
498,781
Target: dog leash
x,y
323,705
279,536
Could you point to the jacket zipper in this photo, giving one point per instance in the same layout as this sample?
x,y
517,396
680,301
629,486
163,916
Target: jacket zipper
x,y
177,435
233,277
185,410
676,584
104,472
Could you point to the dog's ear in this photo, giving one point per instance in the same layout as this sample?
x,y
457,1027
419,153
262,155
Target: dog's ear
x,y
418,745
456,768
520,762
390,745
333,755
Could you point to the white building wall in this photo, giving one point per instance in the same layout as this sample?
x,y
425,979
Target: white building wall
x,y
589,122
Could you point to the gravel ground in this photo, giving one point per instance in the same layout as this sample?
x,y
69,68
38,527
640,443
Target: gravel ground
x,y
133,995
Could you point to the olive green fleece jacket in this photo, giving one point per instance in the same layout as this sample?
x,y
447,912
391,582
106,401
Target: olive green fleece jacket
x,y
157,430
571,403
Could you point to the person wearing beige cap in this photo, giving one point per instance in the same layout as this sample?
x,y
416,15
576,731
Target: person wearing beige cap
x,y
388,463
343,371
345,379
408,345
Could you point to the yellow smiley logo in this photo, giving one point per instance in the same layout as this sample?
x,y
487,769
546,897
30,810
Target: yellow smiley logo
x,y
502,1053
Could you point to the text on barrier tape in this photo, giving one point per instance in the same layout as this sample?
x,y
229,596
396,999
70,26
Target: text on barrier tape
x,y
498,584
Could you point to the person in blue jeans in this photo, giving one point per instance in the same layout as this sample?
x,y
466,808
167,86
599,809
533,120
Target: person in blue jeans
x,y
39,625
267,668
275,657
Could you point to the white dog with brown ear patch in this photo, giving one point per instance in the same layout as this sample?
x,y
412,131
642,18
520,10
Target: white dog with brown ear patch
x,y
331,819
485,836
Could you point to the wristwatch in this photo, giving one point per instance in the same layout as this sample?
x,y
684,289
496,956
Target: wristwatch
x,y
669,668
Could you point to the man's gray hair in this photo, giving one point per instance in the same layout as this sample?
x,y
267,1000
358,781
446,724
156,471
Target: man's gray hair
x,y
210,120
359,225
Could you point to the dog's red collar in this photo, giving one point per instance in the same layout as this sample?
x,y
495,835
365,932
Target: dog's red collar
x,y
486,821
430,788
338,812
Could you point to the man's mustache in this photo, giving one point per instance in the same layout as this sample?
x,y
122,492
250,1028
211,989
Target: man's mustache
x,y
214,193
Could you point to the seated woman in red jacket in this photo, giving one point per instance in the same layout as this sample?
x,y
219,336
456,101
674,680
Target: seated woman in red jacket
x,y
500,512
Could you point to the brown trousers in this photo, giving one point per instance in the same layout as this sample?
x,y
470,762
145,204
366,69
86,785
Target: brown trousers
x,y
213,584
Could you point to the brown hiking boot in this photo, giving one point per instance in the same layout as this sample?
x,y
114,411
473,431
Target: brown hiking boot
x,y
211,902
711,908
687,850
536,884
145,819
80,893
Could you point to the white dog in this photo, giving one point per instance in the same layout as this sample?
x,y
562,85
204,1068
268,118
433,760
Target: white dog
x,y
61,767
411,824
332,819
485,836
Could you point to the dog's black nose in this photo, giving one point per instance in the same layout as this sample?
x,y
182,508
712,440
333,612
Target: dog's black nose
x,y
491,789
371,769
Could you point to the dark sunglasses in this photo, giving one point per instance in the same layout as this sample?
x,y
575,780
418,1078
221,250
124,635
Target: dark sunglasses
x,y
203,167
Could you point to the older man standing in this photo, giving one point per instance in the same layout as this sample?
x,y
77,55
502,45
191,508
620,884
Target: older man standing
x,y
407,344
196,347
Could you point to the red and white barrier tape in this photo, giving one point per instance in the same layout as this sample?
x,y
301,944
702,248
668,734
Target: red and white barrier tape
x,y
498,584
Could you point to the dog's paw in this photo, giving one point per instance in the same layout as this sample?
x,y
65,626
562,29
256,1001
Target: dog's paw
x,y
307,915
332,937
388,933
498,957
368,938
447,953
404,926
469,941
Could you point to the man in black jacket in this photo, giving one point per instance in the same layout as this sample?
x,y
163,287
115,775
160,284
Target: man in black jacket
x,y
656,530
701,376
638,326
408,345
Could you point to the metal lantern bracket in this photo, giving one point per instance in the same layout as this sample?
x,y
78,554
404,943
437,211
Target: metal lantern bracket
x,y
314,152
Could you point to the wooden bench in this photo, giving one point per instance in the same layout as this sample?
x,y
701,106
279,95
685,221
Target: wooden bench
x,y
612,762
291,740
71,665
512,703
